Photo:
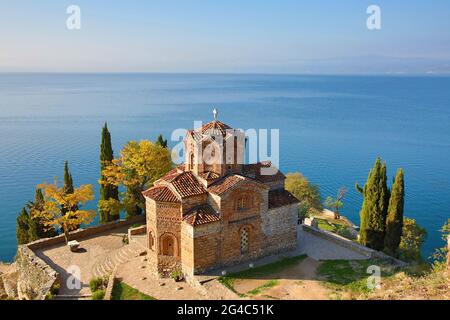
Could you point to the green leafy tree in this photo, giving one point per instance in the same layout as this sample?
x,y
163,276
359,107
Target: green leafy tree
x,y
307,193
394,220
441,254
107,208
160,141
336,203
22,227
374,209
413,237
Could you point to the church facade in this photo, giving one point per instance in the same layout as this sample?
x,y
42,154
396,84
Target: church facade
x,y
214,210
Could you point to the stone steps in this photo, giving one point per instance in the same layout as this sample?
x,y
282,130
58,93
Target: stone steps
x,y
115,258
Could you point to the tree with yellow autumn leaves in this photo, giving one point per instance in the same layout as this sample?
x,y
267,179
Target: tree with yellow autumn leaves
x,y
140,164
61,210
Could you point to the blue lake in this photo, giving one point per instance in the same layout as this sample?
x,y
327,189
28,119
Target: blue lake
x,y
331,129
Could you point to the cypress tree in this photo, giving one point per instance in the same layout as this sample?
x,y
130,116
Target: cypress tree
x,y
69,189
374,209
68,181
394,221
161,142
22,227
37,230
107,191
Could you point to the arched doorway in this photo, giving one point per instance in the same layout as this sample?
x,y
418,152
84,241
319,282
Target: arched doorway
x,y
168,245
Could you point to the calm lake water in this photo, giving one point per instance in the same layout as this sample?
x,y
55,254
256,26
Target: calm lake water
x,y
331,128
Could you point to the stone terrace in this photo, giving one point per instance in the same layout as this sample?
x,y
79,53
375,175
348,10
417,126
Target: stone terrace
x,y
97,255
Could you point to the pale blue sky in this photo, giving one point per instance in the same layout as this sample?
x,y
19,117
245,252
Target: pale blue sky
x,y
268,36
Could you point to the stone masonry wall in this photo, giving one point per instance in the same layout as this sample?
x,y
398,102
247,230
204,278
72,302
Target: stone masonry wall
x,y
36,278
207,246
280,229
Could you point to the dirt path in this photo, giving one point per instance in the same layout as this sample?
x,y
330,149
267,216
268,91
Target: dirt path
x,y
298,282
135,274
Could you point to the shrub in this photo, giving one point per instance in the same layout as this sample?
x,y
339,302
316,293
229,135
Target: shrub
x,y
96,284
176,275
55,289
98,295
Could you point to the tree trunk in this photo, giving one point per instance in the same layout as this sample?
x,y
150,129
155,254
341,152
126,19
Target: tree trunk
x,y
66,235
337,215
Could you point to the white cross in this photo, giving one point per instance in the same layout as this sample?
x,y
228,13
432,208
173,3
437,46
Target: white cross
x,y
216,114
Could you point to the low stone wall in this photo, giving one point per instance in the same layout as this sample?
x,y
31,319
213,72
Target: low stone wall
x,y
110,286
369,253
137,231
35,277
84,233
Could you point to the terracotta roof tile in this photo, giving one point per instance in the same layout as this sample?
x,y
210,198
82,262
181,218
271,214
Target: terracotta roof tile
x,y
172,174
161,193
214,128
186,185
281,198
254,171
209,175
224,184
200,215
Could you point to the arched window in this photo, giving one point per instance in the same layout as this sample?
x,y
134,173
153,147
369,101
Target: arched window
x,y
151,241
191,164
168,245
242,203
244,240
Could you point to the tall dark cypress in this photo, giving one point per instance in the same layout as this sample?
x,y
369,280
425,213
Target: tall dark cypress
x,y
107,191
22,227
374,209
394,221
69,189
160,141
68,181
37,229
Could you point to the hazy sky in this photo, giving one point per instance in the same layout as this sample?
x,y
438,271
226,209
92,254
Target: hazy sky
x,y
273,36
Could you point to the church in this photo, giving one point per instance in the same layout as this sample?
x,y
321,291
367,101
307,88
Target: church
x,y
214,210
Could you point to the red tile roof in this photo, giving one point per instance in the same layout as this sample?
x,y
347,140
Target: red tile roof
x,y
172,174
186,185
281,198
161,193
225,184
214,128
209,175
200,215
254,171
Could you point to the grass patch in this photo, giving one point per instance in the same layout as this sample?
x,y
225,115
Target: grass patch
x,y
324,225
269,284
337,226
122,291
260,273
350,276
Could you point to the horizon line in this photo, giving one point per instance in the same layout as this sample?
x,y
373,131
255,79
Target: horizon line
x,y
394,74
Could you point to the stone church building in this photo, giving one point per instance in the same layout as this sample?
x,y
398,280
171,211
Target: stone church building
x,y
216,211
